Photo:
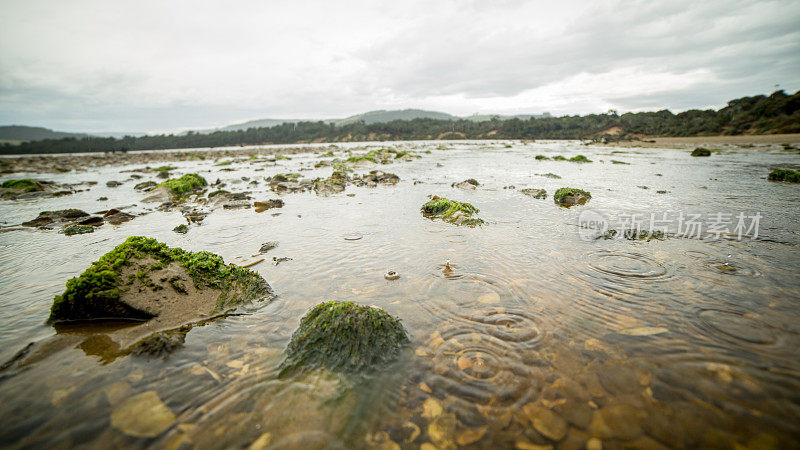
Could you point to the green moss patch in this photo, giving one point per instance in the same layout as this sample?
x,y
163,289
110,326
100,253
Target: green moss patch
x,y
580,159
789,175
26,184
345,337
541,158
559,158
700,151
184,184
97,293
451,211
78,229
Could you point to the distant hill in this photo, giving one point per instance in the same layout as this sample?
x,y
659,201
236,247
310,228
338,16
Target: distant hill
x,y
382,116
23,133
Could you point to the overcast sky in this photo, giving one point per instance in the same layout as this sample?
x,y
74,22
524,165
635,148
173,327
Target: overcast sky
x,y
163,65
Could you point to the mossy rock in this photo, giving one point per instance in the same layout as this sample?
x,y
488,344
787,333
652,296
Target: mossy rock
x,y
535,193
541,158
700,151
107,289
26,184
345,337
559,158
78,229
451,211
571,196
181,229
580,159
792,176
184,184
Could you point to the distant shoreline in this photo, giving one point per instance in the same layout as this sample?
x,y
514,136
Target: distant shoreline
x,y
711,141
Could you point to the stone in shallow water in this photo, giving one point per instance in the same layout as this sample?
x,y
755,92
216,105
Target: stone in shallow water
x,y
143,415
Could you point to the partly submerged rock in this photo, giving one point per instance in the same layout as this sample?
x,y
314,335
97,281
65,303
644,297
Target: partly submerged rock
x,y
115,216
145,186
60,216
332,185
345,337
377,177
137,279
571,196
468,185
451,211
24,185
700,151
789,175
535,193
176,187
269,204
78,229
580,159
181,229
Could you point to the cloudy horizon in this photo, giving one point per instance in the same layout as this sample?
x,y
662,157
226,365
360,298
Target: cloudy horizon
x,y
90,66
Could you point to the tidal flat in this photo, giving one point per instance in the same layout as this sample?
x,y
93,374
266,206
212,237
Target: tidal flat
x,y
652,303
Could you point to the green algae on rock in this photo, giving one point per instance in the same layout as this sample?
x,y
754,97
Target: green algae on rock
x,y
26,184
700,151
332,185
184,184
105,289
345,337
792,176
559,158
451,211
78,229
535,193
580,159
571,196
541,158
181,229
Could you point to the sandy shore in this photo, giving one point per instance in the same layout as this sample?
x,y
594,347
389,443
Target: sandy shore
x,y
715,142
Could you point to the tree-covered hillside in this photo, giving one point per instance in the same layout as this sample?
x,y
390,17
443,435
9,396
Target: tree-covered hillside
x,y
777,113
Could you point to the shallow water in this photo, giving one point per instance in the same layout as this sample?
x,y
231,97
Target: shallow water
x,y
536,336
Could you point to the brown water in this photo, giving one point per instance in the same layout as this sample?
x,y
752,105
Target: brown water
x,y
533,336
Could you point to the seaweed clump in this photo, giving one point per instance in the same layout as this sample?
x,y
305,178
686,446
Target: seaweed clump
x,y
345,337
451,211
184,184
700,151
571,196
26,184
97,293
789,175
580,159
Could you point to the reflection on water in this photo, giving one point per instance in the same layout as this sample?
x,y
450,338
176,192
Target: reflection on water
x,y
522,333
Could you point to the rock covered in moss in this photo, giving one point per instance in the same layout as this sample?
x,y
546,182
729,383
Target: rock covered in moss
x,y
376,177
571,196
185,184
451,211
331,185
700,151
181,229
129,283
78,229
535,193
789,175
26,185
541,158
580,159
345,337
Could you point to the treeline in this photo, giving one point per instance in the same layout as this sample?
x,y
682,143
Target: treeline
x,y
777,113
